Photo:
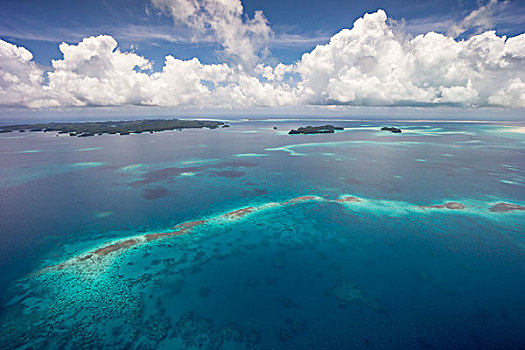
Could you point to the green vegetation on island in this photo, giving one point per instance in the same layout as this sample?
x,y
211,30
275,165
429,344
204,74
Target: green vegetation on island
x,y
323,129
392,129
123,127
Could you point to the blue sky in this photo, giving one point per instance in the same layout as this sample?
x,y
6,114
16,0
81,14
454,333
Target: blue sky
x,y
152,30
298,25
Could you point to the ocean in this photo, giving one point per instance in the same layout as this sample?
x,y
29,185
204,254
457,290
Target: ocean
x,y
249,238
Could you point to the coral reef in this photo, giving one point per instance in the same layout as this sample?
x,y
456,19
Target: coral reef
x,y
348,199
120,246
199,332
154,193
236,214
96,299
116,247
290,329
113,248
303,199
448,205
348,292
279,263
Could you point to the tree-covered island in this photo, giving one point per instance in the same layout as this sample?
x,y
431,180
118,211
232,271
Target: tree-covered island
x,y
125,127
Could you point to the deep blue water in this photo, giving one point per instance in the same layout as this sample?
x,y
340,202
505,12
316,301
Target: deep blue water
x,y
380,272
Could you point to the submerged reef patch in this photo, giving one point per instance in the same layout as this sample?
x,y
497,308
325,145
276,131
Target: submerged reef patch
x,y
292,148
88,149
102,214
229,173
223,169
349,292
155,193
31,151
291,329
88,164
251,155
197,332
132,167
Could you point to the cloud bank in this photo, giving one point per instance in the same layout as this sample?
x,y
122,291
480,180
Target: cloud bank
x,y
367,65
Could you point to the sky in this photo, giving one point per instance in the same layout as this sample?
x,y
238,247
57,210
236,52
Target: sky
x,y
233,57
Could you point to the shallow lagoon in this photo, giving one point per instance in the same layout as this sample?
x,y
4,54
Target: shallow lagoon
x,y
378,273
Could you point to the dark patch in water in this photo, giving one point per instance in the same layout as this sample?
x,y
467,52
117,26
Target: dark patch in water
x,y
155,193
289,304
204,292
233,165
253,282
197,332
163,174
290,329
171,172
270,280
278,263
229,173
352,181
254,192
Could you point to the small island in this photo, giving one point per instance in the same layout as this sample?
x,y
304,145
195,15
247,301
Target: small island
x,y
323,129
392,129
125,127
505,207
448,205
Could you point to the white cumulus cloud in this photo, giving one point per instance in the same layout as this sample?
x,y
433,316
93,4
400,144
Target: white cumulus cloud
x,y
95,72
243,38
370,65
20,78
366,65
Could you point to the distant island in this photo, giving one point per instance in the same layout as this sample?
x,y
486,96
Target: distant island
x,y
323,129
392,129
124,127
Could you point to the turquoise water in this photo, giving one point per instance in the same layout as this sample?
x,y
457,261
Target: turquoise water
x,y
283,241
